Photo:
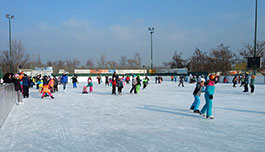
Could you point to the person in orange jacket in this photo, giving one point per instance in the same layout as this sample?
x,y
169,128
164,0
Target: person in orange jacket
x,y
46,90
51,85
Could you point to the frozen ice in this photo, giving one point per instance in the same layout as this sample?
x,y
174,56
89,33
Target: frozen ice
x,y
155,120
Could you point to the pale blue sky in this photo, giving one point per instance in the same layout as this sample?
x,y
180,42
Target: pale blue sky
x,y
86,29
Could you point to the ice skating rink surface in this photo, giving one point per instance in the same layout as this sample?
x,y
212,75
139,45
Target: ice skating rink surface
x,y
155,120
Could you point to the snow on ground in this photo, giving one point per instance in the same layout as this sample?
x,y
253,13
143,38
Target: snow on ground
x,y
155,120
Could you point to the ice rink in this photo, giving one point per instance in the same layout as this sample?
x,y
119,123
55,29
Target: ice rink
x,y
155,120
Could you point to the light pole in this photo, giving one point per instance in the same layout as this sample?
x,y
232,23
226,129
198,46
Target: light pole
x,y
255,36
152,30
9,19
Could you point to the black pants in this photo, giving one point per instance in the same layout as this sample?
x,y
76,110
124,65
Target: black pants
x,y
55,88
246,87
25,91
119,90
113,89
181,83
133,89
145,85
252,88
234,85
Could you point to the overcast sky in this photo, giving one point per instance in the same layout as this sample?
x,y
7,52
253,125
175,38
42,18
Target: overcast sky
x,y
89,28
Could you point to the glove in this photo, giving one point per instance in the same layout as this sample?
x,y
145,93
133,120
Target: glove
x,y
211,96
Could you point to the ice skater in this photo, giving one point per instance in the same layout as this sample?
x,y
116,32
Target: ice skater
x,y
46,90
90,84
252,81
74,81
200,87
210,88
120,86
246,81
134,82
145,82
234,81
64,81
181,81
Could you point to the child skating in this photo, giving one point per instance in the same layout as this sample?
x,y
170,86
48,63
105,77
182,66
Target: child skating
x,y
120,86
90,84
252,87
200,87
207,108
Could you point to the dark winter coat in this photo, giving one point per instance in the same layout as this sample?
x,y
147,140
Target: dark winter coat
x,y
25,81
119,84
17,85
74,80
246,81
198,90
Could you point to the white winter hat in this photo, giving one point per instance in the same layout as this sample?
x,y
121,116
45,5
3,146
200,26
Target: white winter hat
x,y
202,79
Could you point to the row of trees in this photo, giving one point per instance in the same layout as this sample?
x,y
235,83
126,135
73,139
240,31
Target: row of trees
x,y
221,58
20,59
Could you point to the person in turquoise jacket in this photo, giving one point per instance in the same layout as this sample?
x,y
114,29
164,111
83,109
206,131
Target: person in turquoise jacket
x,y
210,88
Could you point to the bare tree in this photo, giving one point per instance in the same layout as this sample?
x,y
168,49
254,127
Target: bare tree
x,y
198,61
89,63
248,50
19,57
123,61
177,61
111,64
102,61
222,58
138,60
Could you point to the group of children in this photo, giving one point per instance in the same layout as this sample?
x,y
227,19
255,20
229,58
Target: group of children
x,y
209,88
117,83
244,79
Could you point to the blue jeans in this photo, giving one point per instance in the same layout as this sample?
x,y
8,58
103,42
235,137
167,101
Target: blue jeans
x,y
207,108
196,103
64,85
74,85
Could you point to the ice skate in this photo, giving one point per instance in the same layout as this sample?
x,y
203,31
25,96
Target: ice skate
x,y
196,111
210,117
202,114
52,97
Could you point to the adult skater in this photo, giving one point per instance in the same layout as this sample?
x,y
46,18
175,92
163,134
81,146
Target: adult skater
x,y
134,82
200,87
107,80
207,108
138,83
99,79
114,82
234,81
246,81
181,81
64,81
252,81
26,85
18,89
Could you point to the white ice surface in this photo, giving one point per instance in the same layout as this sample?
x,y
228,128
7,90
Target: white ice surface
x,y
155,120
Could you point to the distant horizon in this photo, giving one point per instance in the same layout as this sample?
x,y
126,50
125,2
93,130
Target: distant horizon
x,y
88,29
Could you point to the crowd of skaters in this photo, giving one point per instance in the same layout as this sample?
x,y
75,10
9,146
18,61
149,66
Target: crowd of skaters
x,y
49,84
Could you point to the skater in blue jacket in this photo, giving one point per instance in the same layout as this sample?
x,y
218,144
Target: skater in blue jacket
x,y
200,87
64,81
207,108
